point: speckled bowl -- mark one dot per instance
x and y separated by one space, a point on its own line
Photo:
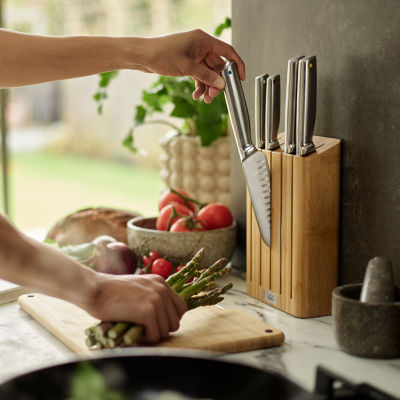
365 329
180 247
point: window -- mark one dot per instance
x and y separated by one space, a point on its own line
62 155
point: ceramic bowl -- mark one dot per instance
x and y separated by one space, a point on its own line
180 247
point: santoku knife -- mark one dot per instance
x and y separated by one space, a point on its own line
306 105
290 105
273 110
254 162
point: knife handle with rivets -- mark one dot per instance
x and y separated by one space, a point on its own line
290 105
306 105
260 104
273 110
238 111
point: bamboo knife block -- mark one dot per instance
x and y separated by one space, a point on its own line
300 269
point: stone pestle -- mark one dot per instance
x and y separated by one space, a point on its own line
378 286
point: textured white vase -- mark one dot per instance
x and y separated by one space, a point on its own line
202 171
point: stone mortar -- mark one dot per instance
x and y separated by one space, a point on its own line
365 329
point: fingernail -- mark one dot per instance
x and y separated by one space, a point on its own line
219 83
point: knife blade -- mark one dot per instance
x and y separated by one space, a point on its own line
254 162
259 104
306 105
290 105
273 110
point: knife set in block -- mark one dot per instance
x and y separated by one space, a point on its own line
292 200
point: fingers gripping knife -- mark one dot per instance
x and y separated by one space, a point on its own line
254 162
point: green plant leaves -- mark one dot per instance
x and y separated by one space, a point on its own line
221 27
106 78
128 142
209 131
183 108
140 115
155 98
89 384
210 120
101 94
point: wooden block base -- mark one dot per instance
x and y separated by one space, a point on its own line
300 269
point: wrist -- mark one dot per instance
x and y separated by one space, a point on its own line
135 53
70 280
92 292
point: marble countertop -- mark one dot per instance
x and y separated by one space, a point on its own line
26 346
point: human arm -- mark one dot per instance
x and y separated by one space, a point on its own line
28 59
146 300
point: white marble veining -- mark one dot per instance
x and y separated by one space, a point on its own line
25 346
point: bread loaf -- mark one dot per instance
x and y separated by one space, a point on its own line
84 225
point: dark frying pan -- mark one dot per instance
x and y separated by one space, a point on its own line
142 373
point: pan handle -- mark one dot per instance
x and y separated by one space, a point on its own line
332 386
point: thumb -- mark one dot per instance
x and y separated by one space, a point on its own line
207 76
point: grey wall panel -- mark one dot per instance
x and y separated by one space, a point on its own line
357 44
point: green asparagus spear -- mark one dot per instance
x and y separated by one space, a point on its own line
118 329
178 275
198 286
133 334
102 328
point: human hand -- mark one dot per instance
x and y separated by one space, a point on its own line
144 299
196 54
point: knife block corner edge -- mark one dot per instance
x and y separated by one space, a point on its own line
300 269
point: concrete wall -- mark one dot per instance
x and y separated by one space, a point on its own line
357 44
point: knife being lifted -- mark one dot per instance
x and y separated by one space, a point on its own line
306 105
254 162
290 106
273 110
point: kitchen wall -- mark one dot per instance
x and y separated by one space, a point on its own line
357 44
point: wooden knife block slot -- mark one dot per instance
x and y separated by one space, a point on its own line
300 269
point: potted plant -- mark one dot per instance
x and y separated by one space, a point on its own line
196 153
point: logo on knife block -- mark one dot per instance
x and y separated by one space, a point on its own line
271 297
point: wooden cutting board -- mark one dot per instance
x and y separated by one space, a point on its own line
210 328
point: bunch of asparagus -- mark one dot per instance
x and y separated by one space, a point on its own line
193 283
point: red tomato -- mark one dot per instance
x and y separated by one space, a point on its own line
187 224
161 267
153 256
215 215
167 197
166 219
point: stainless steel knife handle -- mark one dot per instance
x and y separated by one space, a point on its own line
238 111
273 111
290 105
306 105
260 104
